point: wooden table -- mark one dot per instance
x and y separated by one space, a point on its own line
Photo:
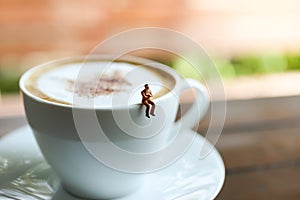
260 145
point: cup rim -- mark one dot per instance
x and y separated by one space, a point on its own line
102 57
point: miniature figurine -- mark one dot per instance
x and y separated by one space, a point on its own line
147 94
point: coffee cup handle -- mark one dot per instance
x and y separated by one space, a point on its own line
198 109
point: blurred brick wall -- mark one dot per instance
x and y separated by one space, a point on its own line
38 29
33 31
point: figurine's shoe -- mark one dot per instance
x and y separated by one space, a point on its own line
152 114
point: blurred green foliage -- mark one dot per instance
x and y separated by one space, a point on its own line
228 68
186 69
9 80
244 65
263 64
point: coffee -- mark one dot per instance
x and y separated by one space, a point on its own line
105 83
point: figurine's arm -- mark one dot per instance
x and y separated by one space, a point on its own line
144 94
150 93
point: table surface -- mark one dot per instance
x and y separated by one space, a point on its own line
259 145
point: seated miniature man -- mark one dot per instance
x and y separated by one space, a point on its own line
147 94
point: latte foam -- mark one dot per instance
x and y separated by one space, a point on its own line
97 83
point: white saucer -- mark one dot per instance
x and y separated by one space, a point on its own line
24 174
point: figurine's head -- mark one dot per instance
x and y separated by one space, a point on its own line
146 86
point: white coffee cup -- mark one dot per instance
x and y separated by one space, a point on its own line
102 153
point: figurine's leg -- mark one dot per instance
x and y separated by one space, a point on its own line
147 110
152 108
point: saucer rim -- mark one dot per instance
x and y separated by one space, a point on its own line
214 153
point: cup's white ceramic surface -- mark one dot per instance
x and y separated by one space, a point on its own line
66 148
